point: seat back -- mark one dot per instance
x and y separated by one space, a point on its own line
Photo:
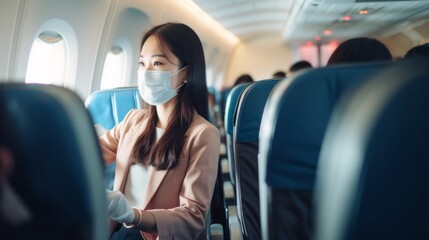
223 97
108 107
230 108
373 180
246 139
57 163
292 132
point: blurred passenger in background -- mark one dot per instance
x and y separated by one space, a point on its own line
361 49
279 74
243 79
299 66
420 51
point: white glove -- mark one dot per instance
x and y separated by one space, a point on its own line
119 208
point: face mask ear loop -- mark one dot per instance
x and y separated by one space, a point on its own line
178 88
179 70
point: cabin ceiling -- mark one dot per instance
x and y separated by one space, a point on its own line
299 21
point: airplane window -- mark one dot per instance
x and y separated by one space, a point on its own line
48 58
114 69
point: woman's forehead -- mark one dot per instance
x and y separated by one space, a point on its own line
153 48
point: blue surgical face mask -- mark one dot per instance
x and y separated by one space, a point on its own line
155 86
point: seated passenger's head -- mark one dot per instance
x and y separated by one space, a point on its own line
420 51
360 50
244 78
279 74
299 66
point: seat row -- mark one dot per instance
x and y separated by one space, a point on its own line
331 153
274 153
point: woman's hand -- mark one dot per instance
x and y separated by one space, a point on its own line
119 208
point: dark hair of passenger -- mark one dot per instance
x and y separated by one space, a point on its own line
185 44
420 51
300 65
243 79
361 49
279 74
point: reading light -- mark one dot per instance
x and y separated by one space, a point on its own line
327 32
363 11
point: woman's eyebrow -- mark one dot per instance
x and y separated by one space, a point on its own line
155 55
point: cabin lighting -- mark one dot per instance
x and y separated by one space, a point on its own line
363 12
309 43
327 32
346 18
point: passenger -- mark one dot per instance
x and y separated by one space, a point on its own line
243 79
166 154
360 50
279 74
299 66
420 51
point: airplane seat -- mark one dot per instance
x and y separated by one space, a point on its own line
223 97
247 121
58 166
372 180
107 108
292 131
230 108
229 184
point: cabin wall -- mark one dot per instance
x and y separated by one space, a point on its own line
128 38
10 17
259 58
100 25
39 15
399 43
93 27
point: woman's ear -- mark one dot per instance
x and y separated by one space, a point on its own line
184 74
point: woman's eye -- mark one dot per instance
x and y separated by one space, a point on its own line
157 63
141 64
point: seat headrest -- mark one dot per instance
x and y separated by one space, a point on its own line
297 117
250 108
231 106
109 107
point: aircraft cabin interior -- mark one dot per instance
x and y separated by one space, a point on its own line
315 124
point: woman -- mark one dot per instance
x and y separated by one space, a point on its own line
167 154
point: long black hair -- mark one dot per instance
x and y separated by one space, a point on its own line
361 49
184 43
